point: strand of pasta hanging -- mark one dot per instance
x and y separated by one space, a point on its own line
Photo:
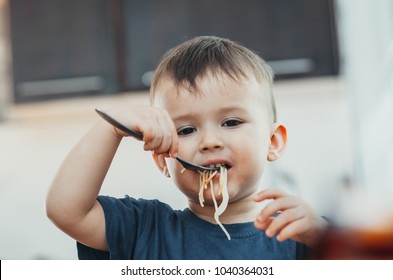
205 180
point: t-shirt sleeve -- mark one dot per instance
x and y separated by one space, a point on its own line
125 220
87 253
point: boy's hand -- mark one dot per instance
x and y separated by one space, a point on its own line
297 219
159 131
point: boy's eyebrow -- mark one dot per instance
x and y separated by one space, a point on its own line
222 110
231 109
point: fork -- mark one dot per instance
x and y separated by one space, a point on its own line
139 136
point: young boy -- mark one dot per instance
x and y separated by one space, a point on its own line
211 104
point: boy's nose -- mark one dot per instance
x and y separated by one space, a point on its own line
211 140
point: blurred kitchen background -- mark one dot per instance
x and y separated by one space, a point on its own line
60 59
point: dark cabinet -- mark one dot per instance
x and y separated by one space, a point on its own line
68 47
297 37
62 48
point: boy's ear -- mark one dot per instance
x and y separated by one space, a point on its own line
278 142
161 164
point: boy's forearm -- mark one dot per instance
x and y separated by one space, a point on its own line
75 187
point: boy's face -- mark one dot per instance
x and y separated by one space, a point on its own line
225 122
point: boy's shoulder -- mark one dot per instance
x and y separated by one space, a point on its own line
134 206
128 201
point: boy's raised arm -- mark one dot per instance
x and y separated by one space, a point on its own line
71 202
72 198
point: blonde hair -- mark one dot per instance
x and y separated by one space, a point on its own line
194 58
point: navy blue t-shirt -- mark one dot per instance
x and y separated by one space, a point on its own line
149 229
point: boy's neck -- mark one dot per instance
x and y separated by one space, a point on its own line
241 211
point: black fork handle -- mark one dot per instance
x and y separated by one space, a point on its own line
115 123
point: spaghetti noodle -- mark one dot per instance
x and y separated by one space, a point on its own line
205 180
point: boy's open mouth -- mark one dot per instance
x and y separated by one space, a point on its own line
227 166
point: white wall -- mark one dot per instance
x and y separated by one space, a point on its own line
366 43
366 36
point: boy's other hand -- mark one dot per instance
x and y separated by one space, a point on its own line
296 220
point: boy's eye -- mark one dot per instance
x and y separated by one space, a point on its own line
186 131
232 122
